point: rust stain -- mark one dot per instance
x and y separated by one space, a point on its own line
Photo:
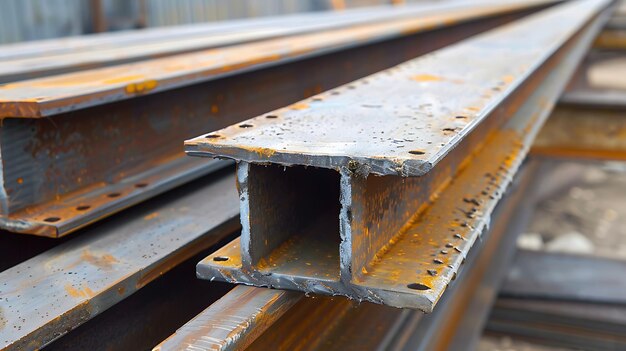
123 79
152 215
141 87
508 79
105 261
73 291
85 291
426 78
299 106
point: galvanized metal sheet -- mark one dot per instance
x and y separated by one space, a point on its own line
56 291
402 121
53 95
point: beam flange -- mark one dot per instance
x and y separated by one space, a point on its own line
400 180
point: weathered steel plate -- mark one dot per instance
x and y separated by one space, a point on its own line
401 121
148 44
56 291
67 171
53 95
416 185
233 322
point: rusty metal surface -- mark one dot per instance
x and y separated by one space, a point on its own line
57 94
543 275
321 132
340 247
67 169
56 291
583 132
323 323
137 48
233 322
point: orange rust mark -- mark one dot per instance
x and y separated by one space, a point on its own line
426 78
141 87
215 109
125 79
121 290
105 261
508 79
299 106
85 291
20 180
261 151
152 215
72 291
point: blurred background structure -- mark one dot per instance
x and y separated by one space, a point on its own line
23 20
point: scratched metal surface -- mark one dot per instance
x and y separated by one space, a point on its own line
326 323
462 201
57 94
232 322
54 292
153 47
402 121
92 176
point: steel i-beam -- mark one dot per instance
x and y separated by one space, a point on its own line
377 190
78 147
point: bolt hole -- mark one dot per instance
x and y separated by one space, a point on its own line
83 208
271 116
212 136
141 185
461 117
114 194
417 152
245 125
220 258
52 219
418 286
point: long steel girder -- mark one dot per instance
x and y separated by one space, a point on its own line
45 297
27 61
82 164
399 179
260 319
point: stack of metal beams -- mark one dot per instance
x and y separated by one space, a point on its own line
379 156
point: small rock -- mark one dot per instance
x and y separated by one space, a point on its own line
572 242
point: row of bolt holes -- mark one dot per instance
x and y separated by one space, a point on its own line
245 125
86 207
